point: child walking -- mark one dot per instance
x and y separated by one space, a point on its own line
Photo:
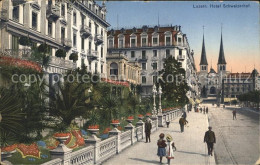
169 148
161 143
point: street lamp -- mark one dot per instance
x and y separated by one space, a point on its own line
160 100
154 104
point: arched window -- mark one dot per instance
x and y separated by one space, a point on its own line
113 69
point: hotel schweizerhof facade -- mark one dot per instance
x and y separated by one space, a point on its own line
81 27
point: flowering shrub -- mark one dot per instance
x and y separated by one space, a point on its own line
29 150
130 118
10 61
140 115
119 128
93 127
61 134
79 139
123 83
115 121
106 130
9 148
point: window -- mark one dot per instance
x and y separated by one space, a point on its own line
89 45
132 42
143 41
224 68
82 20
155 53
96 29
16 13
89 25
143 54
101 52
95 67
121 42
49 28
101 32
180 52
155 40
101 68
154 66
89 6
82 44
143 66
74 40
132 54
154 79
82 62
110 43
63 10
167 53
15 43
34 20
179 39
74 18
62 34
113 69
168 41
143 80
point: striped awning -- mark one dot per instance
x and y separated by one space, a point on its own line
229 99
192 102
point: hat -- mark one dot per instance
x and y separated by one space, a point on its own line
169 137
210 127
161 135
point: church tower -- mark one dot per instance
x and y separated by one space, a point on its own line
221 59
203 59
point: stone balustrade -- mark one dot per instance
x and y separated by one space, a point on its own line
97 151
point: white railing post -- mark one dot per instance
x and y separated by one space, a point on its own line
117 133
140 123
61 152
155 119
130 127
94 141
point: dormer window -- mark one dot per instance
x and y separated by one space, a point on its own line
155 40
120 41
110 43
144 41
167 40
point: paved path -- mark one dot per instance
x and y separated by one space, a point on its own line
237 140
190 146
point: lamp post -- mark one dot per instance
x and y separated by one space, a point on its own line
154 104
160 100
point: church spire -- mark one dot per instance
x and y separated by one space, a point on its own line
221 57
203 58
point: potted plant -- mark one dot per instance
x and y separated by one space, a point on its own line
60 53
140 117
130 119
25 41
93 129
43 48
148 114
115 123
61 137
73 57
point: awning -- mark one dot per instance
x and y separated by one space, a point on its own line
192 102
229 99
198 101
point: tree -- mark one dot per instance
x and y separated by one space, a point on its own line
60 53
172 81
74 57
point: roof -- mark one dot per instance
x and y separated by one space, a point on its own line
212 70
221 57
203 58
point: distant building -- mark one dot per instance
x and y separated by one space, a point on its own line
119 68
150 46
235 84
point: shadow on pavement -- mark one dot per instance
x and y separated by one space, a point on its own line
146 161
191 153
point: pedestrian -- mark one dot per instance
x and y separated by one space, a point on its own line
167 123
204 110
234 114
200 109
184 115
148 127
169 148
182 122
210 139
207 110
161 143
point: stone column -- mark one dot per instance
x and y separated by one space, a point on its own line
62 152
117 133
130 127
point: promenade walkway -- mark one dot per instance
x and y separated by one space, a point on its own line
190 146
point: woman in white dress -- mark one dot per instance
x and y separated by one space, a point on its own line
169 148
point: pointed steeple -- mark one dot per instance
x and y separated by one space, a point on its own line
203 58
221 57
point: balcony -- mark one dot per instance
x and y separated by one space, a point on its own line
99 39
143 59
85 31
53 12
18 53
60 62
92 55
181 57
66 42
3 15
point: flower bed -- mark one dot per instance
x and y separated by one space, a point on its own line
140 115
148 114
93 127
106 131
10 61
130 118
61 134
29 150
123 83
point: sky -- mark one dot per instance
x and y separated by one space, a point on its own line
240 27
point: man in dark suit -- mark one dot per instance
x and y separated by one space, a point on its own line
148 127
210 139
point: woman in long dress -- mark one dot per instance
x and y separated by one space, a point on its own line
169 148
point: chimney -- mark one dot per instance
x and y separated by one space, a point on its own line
179 28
